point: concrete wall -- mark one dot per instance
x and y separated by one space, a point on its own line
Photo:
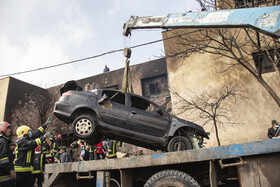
252 113
4 85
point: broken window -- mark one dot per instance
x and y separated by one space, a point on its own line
143 104
154 87
262 61
114 96
251 3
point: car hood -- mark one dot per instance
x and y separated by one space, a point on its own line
181 122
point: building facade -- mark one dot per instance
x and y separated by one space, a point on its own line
200 72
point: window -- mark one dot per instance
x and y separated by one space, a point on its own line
250 3
114 96
143 104
262 61
154 87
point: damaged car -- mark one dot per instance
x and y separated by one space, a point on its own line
125 117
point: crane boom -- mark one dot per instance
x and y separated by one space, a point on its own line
263 19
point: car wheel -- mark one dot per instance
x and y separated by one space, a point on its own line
179 143
84 126
171 178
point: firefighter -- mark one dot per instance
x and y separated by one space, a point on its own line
84 155
91 152
56 144
39 164
45 148
74 151
112 149
99 151
26 143
7 172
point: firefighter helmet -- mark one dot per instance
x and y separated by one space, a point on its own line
3 126
22 130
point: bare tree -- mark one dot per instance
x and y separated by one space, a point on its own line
236 44
33 109
210 108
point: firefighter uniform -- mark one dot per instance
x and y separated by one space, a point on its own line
56 145
39 164
112 150
6 166
26 145
91 152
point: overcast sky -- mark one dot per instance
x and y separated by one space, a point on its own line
40 33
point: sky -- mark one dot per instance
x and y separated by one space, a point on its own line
40 33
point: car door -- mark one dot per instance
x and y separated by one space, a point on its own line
144 118
113 110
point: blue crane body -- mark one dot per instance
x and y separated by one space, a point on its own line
263 19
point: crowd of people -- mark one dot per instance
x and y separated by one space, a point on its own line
22 163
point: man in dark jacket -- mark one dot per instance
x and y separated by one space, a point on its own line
84 156
7 172
26 143
65 156
39 165
273 131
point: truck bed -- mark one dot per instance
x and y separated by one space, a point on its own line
52 171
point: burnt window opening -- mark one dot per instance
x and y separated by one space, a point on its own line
262 61
251 3
154 87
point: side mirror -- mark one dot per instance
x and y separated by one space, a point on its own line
104 98
159 111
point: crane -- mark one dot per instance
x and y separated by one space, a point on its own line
263 19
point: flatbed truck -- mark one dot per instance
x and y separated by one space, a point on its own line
253 164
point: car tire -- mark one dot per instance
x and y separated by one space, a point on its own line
84 127
171 178
179 143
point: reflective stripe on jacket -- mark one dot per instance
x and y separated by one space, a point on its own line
6 165
5 178
39 163
25 151
112 149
